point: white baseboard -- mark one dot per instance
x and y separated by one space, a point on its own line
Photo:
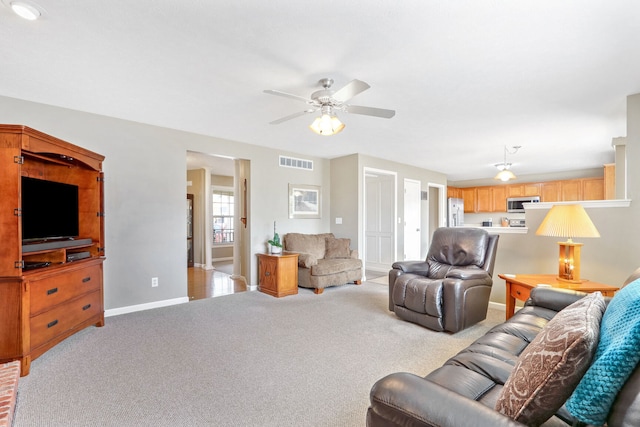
146 306
498 306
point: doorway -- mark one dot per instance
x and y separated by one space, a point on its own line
218 221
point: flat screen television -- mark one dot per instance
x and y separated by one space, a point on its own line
49 210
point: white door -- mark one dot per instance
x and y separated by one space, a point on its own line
412 220
379 221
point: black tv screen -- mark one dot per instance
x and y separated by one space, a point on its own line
49 209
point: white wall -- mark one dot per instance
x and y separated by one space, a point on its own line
145 171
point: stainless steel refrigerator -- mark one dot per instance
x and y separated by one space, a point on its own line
455 212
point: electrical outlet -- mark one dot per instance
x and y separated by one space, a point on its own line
154 282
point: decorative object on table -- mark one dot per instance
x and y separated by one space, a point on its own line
275 246
568 221
304 201
505 174
328 102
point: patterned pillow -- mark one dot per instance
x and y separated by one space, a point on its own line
551 366
337 248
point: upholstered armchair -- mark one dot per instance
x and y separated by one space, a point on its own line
449 291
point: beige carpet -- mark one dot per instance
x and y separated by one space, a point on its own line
384 280
245 359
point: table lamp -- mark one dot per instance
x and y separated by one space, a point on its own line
568 221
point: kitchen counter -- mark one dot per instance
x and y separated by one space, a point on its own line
501 230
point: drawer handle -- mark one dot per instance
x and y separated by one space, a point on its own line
518 292
86 307
52 291
86 279
267 273
52 324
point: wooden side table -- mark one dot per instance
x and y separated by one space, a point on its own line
278 274
519 287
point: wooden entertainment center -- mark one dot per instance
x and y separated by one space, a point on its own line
53 288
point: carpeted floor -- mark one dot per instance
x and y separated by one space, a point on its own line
245 359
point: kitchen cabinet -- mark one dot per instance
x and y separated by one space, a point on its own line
491 199
523 190
550 191
571 190
454 192
469 197
593 189
499 198
609 181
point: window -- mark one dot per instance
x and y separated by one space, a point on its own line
222 216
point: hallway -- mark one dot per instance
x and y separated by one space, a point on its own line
213 283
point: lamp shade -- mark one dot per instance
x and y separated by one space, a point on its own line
567 221
505 175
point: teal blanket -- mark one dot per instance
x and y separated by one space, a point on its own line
616 357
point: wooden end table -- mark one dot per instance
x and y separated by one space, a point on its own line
278 274
519 287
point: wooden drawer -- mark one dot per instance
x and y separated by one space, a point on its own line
520 292
48 325
49 292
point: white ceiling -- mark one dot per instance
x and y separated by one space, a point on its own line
466 77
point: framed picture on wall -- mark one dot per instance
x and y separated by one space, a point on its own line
304 201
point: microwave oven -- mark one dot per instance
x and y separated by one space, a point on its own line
516 204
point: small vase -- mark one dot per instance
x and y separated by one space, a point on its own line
275 250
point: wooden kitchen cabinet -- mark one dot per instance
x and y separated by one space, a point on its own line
454 192
469 196
550 191
491 199
523 190
609 181
593 189
571 190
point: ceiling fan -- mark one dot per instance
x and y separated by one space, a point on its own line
328 101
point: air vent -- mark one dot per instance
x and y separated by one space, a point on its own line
292 162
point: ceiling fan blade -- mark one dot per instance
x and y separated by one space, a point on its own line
370 111
291 116
287 95
351 89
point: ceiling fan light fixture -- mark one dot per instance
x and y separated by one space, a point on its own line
327 124
26 10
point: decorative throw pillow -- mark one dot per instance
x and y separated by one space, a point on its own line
337 248
616 357
551 366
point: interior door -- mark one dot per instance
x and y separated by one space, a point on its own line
412 220
379 221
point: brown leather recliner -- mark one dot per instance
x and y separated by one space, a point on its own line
450 290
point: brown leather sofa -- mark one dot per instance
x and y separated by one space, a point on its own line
464 391
450 290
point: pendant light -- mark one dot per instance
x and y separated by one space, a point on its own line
505 174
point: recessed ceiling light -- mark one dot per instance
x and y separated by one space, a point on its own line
25 9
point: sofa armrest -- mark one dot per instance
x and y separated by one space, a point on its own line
415 267
402 399
355 254
306 260
553 298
